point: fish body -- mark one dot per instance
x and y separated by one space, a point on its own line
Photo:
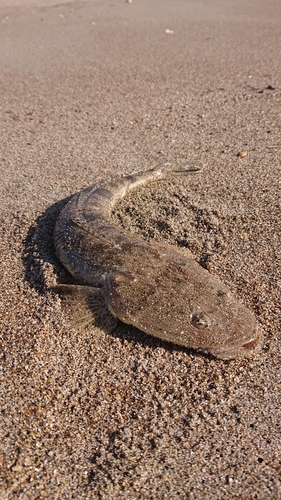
156 287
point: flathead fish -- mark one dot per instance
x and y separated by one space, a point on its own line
156 287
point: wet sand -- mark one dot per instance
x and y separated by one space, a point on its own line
90 89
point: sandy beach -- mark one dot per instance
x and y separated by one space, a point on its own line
90 89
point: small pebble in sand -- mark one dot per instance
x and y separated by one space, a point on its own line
242 154
129 1
17 468
170 32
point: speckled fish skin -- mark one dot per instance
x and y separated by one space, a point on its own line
156 287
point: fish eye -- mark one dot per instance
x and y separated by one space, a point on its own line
199 320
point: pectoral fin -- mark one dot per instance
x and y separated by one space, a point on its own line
86 305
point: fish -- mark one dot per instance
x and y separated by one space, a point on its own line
156 287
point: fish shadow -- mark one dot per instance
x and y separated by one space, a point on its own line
39 250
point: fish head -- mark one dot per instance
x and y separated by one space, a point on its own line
229 329
186 306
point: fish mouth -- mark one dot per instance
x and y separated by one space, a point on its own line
245 350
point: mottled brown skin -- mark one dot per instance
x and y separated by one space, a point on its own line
156 287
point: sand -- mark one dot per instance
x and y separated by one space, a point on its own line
90 89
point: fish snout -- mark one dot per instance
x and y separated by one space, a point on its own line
244 350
